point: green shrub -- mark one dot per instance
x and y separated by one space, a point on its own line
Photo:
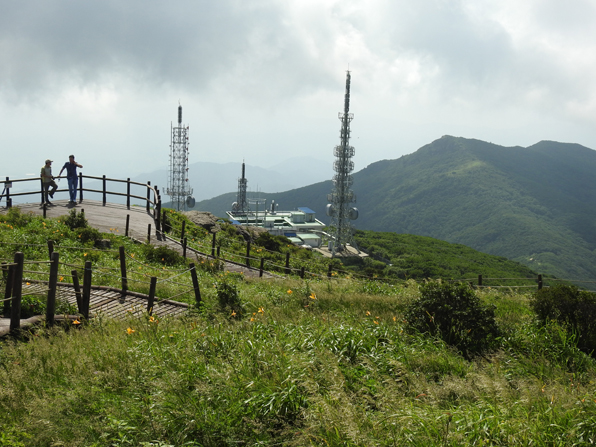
88 234
17 219
571 307
36 305
162 255
272 243
454 313
229 298
75 220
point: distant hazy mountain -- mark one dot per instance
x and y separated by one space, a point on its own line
534 205
213 179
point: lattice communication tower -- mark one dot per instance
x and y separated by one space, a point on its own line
341 198
179 189
241 204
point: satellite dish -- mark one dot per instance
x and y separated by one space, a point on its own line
190 202
330 210
235 206
353 214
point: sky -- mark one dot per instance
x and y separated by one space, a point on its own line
263 81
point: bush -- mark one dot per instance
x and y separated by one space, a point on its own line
229 298
162 255
455 314
75 220
573 308
36 305
88 234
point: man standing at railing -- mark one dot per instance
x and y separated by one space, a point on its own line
47 181
71 175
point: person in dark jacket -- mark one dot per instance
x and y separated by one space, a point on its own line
71 175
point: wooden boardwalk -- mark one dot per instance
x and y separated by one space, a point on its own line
105 301
108 218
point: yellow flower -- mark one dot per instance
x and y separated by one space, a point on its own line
289 291
233 313
367 313
76 322
129 331
84 254
132 255
261 310
252 319
313 296
61 278
153 320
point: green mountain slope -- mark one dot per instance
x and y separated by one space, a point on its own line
534 205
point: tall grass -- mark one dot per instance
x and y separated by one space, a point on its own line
307 363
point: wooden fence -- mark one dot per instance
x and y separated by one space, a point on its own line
13 293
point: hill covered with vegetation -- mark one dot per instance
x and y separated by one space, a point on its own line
287 361
534 205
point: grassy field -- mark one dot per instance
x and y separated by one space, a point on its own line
289 362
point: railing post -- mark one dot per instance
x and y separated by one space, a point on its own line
123 270
183 229
8 290
302 272
127 225
77 288
148 233
261 268
287 263
80 187
45 207
539 282
158 214
51 302
195 283
104 190
43 195
17 289
128 193
8 199
329 271
148 195
184 242
151 300
213 246
163 222
218 249
479 280
50 248
248 254
86 290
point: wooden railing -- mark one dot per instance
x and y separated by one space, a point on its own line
152 198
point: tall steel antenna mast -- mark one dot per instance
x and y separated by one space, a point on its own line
342 196
179 189
241 205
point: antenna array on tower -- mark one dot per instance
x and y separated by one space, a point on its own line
178 188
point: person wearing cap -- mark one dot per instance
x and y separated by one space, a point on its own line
71 175
47 182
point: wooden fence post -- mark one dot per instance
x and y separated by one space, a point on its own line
213 246
184 242
8 290
248 254
128 193
329 271
8 199
151 300
80 187
50 248
539 282
287 263
261 268
127 225
51 301
148 196
86 290
148 233
44 207
183 229
77 289
218 249
123 270
104 190
302 272
17 289
479 280
195 283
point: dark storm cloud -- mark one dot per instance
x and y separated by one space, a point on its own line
47 44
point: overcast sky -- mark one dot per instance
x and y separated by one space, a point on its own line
263 81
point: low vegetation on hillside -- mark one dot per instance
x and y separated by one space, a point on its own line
286 361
